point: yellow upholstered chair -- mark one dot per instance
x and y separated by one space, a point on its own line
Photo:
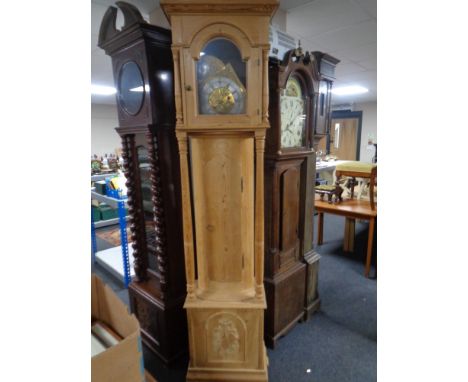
355 170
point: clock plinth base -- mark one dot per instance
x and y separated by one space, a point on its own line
312 299
311 309
200 374
226 340
163 325
285 300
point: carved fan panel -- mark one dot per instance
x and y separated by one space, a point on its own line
225 334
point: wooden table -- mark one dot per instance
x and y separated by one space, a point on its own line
350 209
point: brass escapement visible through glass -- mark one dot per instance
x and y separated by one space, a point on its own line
221 100
221 79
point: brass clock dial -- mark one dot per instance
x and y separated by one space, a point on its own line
293 117
220 90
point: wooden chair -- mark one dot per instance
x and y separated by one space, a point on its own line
358 170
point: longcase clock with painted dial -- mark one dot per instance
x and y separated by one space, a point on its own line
291 265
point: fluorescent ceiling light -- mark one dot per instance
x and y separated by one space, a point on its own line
102 90
348 90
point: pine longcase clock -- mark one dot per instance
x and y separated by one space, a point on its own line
220 54
144 77
290 263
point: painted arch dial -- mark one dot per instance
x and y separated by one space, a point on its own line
293 115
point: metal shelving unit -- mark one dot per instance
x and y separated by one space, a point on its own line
108 258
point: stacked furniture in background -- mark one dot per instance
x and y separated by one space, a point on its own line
143 73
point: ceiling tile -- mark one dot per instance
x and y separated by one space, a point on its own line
369 64
343 69
346 29
355 35
357 53
324 16
364 76
369 5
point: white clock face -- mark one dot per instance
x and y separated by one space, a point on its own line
293 118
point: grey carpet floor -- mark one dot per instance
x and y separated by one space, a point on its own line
338 343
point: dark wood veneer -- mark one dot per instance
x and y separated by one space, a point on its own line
158 291
291 264
326 68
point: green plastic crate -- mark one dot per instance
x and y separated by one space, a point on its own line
109 213
96 213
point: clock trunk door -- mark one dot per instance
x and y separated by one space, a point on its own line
223 184
289 213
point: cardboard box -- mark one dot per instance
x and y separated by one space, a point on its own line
122 362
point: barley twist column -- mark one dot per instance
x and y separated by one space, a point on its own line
158 211
129 155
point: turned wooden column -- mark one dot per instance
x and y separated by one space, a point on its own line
129 154
158 211
259 207
187 215
265 98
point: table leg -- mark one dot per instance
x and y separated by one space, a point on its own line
371 193
320 229
370 241
348 242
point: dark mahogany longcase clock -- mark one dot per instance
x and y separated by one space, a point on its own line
291 265
143 74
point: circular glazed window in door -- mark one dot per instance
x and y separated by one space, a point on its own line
131 88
